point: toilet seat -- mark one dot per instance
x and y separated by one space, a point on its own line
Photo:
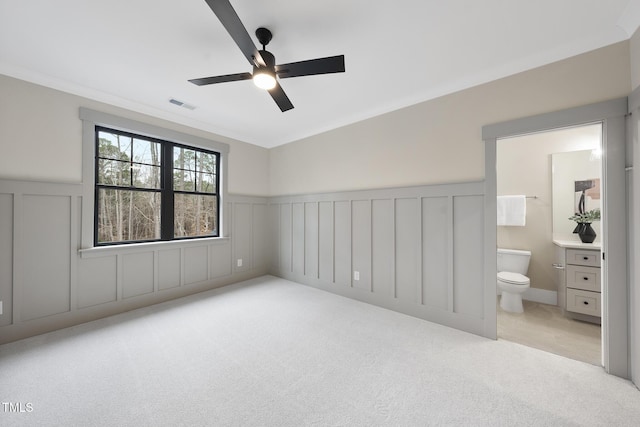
513 278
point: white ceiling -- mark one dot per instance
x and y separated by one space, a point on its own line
138 54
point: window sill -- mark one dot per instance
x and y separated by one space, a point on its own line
100 251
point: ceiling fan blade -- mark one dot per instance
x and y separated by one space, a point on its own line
221 79
328 65
281 98
230 20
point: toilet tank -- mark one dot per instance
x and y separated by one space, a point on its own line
513 260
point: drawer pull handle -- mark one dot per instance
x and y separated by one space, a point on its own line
585 258
585 303
585 278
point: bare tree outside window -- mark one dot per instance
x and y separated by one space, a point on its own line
194 182
130 173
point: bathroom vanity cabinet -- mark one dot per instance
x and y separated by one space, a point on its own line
577 267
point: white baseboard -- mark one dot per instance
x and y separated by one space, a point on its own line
540 295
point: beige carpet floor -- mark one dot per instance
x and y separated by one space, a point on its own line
269 352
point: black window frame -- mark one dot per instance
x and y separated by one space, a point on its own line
166 191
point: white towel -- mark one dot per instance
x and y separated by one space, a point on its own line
512 210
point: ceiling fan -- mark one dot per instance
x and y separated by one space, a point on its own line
265 69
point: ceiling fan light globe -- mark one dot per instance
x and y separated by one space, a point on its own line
264 80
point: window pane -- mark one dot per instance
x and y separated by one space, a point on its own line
145 176
147 152
206 162
183 158
114 172
125 215
114 146
183 180
195 215
206 183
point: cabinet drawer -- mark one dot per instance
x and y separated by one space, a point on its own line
580 277
584 302
583 257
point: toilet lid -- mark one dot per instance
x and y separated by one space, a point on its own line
514 278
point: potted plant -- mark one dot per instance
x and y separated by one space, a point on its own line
584 220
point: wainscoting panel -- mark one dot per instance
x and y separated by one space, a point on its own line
169 268
406 245
221 261
260 235
137 274
361 234
468 258
297 212
437 277
195 264
273 243
48 281
46 255
382 248
97 281
325 241
285 237
6 256
417 250
311 239
242 232
342 242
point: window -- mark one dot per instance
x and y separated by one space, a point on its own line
195 184
148 189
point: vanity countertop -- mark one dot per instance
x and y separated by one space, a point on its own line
576 244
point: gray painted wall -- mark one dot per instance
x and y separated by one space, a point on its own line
47 282
417 250
633 140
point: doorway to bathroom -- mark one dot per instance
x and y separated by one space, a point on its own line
615 222
542 181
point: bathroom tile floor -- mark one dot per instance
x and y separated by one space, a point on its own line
544 327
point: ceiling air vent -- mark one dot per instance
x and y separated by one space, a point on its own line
182 104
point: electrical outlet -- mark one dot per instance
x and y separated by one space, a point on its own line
356 275
239 263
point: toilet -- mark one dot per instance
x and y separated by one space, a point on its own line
512 282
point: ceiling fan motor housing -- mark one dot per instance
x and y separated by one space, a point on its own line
263 61
269 60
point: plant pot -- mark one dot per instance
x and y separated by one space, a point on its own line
586 233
